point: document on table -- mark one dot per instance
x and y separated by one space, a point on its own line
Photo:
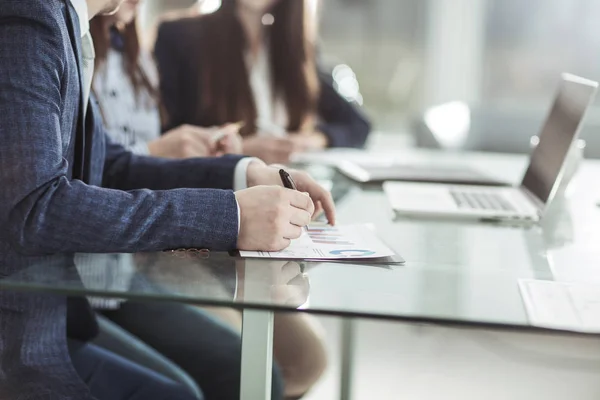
562 305
323 242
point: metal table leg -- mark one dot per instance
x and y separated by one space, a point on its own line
347 357
257 355
255 279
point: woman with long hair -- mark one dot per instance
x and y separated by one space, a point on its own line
126 88
254 61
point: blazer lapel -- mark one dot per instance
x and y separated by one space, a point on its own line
79 156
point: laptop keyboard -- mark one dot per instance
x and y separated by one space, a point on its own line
481 201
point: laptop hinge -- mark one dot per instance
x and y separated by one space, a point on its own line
537 202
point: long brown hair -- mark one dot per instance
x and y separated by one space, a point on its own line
224 84
100 28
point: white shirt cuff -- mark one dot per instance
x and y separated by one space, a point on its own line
239 215
240 180
240 176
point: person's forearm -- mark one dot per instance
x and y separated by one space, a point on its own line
70 216
126 171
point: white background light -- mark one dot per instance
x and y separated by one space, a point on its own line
449 123
209 6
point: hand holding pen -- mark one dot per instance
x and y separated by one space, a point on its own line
288 182
278 213
320 196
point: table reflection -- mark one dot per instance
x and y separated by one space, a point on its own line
190 274
278 282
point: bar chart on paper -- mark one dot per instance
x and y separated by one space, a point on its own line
321 242
328 235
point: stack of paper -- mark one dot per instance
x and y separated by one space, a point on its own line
324 242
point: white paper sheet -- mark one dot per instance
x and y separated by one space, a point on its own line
322 242
562 305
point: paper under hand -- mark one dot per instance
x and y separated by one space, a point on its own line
322 242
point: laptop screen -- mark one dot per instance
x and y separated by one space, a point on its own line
558 133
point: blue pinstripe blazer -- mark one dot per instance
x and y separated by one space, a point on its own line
65 188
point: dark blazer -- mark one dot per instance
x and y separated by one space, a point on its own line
65 188
343 123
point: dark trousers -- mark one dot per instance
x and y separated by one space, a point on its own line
111 377
208 350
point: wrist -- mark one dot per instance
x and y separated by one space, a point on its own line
253 174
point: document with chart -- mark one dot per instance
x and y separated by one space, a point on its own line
323 242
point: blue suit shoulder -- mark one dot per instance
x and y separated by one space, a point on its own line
45 17
43 11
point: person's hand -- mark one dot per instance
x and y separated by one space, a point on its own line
290 286
285 283
231 142
269 149
270 216
260 174
309 141
185 141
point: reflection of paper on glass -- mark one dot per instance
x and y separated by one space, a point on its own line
323 242
562 305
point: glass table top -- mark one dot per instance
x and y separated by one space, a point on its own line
459 272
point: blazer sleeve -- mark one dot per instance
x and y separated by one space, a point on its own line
171 74
124 170
344 124
43 212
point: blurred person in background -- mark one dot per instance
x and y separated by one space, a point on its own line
126 87
202 345
254 61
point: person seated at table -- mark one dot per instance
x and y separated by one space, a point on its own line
67 188
254 61
125 86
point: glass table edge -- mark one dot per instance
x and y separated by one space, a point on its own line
422 320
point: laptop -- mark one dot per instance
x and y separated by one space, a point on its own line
525 203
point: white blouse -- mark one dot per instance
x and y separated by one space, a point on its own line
130 120
272 118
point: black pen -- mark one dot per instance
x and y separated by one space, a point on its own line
289 183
